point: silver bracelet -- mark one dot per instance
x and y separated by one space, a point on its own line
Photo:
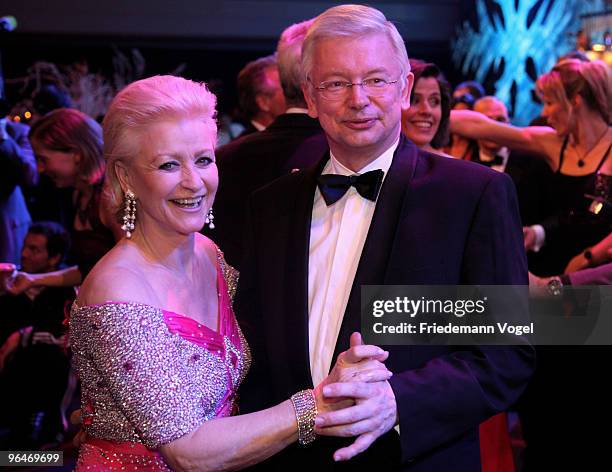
305 412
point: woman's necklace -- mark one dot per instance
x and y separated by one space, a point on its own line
581 160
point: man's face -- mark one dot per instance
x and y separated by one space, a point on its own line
497 111
273 100
358 125
34 256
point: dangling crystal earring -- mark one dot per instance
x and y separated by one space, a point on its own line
129 214
210 218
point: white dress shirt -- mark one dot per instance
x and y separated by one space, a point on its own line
504 152
337 235
257 125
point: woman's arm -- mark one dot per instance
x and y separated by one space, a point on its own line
237 442
115 336
599 254
234 442
539 140
68 277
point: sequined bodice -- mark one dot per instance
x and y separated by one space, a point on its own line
150 376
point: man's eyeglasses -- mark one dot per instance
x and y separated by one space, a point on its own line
337 89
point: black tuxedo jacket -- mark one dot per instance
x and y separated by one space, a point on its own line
292 141
437 221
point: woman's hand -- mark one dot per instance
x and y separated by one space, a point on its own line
20 283
356 399
360 363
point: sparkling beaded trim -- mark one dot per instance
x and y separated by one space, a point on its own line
305 411
142 383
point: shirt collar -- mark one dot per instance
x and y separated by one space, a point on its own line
504 152
382 162
258 126
295 110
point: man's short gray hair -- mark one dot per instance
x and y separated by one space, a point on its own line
349 21
289 60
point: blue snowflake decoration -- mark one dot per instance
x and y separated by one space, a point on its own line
523 36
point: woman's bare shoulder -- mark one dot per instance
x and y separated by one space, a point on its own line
206 248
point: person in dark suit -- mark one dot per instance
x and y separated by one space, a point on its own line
313 240
293 140
18 170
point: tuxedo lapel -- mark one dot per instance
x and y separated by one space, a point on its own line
372 268
295 289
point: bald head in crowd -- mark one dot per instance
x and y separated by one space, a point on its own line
495 109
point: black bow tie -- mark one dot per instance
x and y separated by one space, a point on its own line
496 161
334 186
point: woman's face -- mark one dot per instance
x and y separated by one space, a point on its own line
174 176
557 115
61 166
421 121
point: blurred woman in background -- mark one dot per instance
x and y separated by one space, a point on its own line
68 148
578 107
426 122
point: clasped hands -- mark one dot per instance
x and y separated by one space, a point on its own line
13 280
355 399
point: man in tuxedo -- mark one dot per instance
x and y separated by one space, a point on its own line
292 141
390 215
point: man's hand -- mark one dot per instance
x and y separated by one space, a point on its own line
360 363
374 413
375 410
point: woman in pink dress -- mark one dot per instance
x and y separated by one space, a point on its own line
156 344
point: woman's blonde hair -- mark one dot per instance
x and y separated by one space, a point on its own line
142 104
572 77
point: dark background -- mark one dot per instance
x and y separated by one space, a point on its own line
213 39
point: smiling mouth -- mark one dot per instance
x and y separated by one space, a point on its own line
188 202
426 125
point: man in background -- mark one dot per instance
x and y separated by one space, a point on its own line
259 93
292 141
34 365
